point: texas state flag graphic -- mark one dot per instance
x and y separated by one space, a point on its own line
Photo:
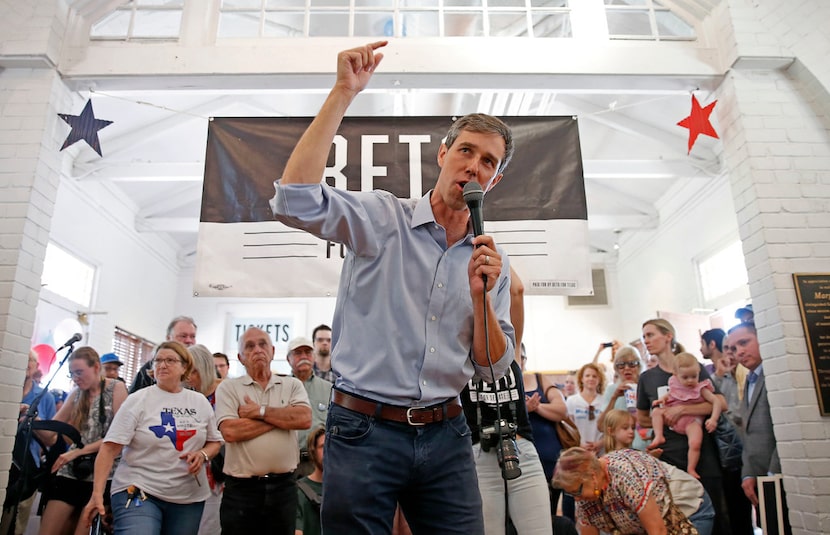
168 429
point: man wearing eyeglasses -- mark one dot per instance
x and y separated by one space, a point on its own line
181 329
259 415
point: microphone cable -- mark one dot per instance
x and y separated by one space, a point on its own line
500 439
473 197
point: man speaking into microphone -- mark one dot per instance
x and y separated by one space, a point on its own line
422 303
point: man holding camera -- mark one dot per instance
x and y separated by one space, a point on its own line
503 449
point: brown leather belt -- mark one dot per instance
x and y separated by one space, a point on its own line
262 478
408 415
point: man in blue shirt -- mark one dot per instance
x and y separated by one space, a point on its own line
409 324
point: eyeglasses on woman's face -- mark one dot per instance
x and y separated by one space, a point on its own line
166 361
77 373
575 494
627 364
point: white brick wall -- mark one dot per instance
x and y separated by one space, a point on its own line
30 136
775 144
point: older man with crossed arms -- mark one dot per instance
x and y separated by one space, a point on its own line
258 414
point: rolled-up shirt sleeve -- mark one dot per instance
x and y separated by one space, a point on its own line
333 214
500 295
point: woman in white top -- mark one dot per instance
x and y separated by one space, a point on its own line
585 407
167 434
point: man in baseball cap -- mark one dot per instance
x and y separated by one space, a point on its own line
301 358
112 366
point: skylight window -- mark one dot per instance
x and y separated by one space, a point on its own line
645 19
394 18
141 19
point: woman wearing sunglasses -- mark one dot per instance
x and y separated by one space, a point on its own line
623 394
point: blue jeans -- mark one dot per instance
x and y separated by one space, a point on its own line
704 517
155 516
375 464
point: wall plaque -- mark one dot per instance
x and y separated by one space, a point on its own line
813 292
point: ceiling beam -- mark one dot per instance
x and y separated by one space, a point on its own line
639 169
412 63
582 83
621 199
140 171
170 200
158 171
167 224
621 221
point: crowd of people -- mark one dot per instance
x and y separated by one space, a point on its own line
154 450
430 424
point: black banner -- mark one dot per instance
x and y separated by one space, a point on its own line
537 212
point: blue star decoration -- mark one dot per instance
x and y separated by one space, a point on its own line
84 127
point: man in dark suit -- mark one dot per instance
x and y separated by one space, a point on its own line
760 456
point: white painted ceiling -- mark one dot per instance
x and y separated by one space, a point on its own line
633 151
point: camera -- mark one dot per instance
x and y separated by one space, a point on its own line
83 466
608 344
507 454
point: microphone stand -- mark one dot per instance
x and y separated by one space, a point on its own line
26 427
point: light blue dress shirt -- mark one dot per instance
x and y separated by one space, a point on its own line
403 323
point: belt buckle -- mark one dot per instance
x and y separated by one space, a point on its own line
409 416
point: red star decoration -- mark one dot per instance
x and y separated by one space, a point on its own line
698 122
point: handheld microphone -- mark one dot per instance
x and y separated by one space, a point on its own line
74 340
473 196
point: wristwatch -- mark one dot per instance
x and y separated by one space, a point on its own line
262 411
